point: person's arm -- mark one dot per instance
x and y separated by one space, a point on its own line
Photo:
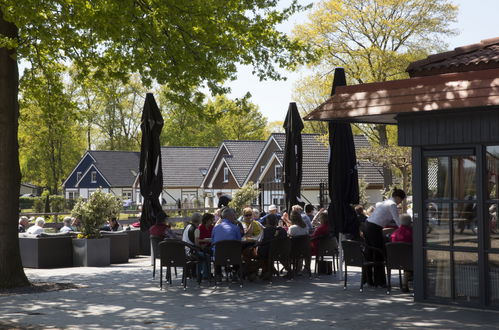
395 214
315 220
196 236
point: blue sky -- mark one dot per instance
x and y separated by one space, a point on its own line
477 20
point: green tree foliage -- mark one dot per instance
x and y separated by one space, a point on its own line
209 123
244 197
178 43
50 141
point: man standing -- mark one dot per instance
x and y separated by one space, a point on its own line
223 199
384 213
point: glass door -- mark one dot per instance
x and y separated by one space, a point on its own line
451 226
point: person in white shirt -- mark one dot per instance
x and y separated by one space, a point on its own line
383 214
67 225
38 227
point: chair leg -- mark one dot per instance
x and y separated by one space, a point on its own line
240 271
184 277
345 284
169 275
160 277
175 272
400 279
389 280
154 268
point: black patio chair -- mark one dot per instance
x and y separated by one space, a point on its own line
279 251
155 240
300 250
227 254
327 246
354 254
398 256
172 253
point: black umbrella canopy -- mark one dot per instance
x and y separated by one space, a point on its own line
293 156
150 171
343 175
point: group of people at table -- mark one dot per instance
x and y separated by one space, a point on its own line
256 230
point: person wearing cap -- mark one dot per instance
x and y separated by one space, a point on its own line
272 210
38 227
67 225
23 224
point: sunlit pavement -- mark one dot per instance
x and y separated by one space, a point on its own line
126 296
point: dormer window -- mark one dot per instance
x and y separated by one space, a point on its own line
93 177
78 176
278 173
226 175
262 168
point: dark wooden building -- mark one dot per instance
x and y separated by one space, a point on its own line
448 112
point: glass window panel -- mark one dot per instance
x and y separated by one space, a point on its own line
493 226
437 177
466 276
438 283
437 224
492 172
464 178
465 224
494 279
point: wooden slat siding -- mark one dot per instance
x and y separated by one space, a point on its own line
463 127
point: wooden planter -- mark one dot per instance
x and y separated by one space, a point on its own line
91 252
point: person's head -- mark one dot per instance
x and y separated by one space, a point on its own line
273 209
229 214
398 195
296 219
405 219
247 214
271 220
196 218
297 208
359 209
370 210
256 214
67 221
207 219
40 221
23 221
309 208
219 194
75 222
323 218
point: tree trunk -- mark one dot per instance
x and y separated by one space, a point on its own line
11 270
387 172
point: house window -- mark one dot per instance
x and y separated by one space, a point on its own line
278 173
262 168
127 194
78 176
226 174
93 176
73 195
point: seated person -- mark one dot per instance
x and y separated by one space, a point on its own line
190 228
23 224
316 221
252 229
306 220
226 230
202 234
272 210
404 234
298 226
319 232
75 224
38 227
162 229
67 225
112 225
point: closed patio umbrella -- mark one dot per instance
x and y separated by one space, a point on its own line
150 171
343 175
293 156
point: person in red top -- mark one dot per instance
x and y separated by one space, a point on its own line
321 231
404 234
161 229
203 231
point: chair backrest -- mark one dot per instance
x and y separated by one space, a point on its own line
172 253
280 248
155 240
399 256
300 247
327 246
352 253
228 252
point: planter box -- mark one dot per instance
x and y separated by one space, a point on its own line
91 252
46 252
133 242
119 246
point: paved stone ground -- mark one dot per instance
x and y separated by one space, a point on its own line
126 296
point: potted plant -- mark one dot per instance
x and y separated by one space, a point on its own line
89 248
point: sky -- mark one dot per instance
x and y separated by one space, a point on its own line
477 20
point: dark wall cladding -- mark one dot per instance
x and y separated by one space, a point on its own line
479 125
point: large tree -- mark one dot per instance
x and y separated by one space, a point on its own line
178 43
374 41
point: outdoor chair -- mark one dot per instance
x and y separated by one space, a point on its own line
279 251
327 246
228 253
155 240
398 256
300 250
354 254
172 253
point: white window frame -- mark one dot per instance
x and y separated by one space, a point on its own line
226 174
78 176
277 173
93 177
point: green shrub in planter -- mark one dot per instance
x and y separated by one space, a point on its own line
95 212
